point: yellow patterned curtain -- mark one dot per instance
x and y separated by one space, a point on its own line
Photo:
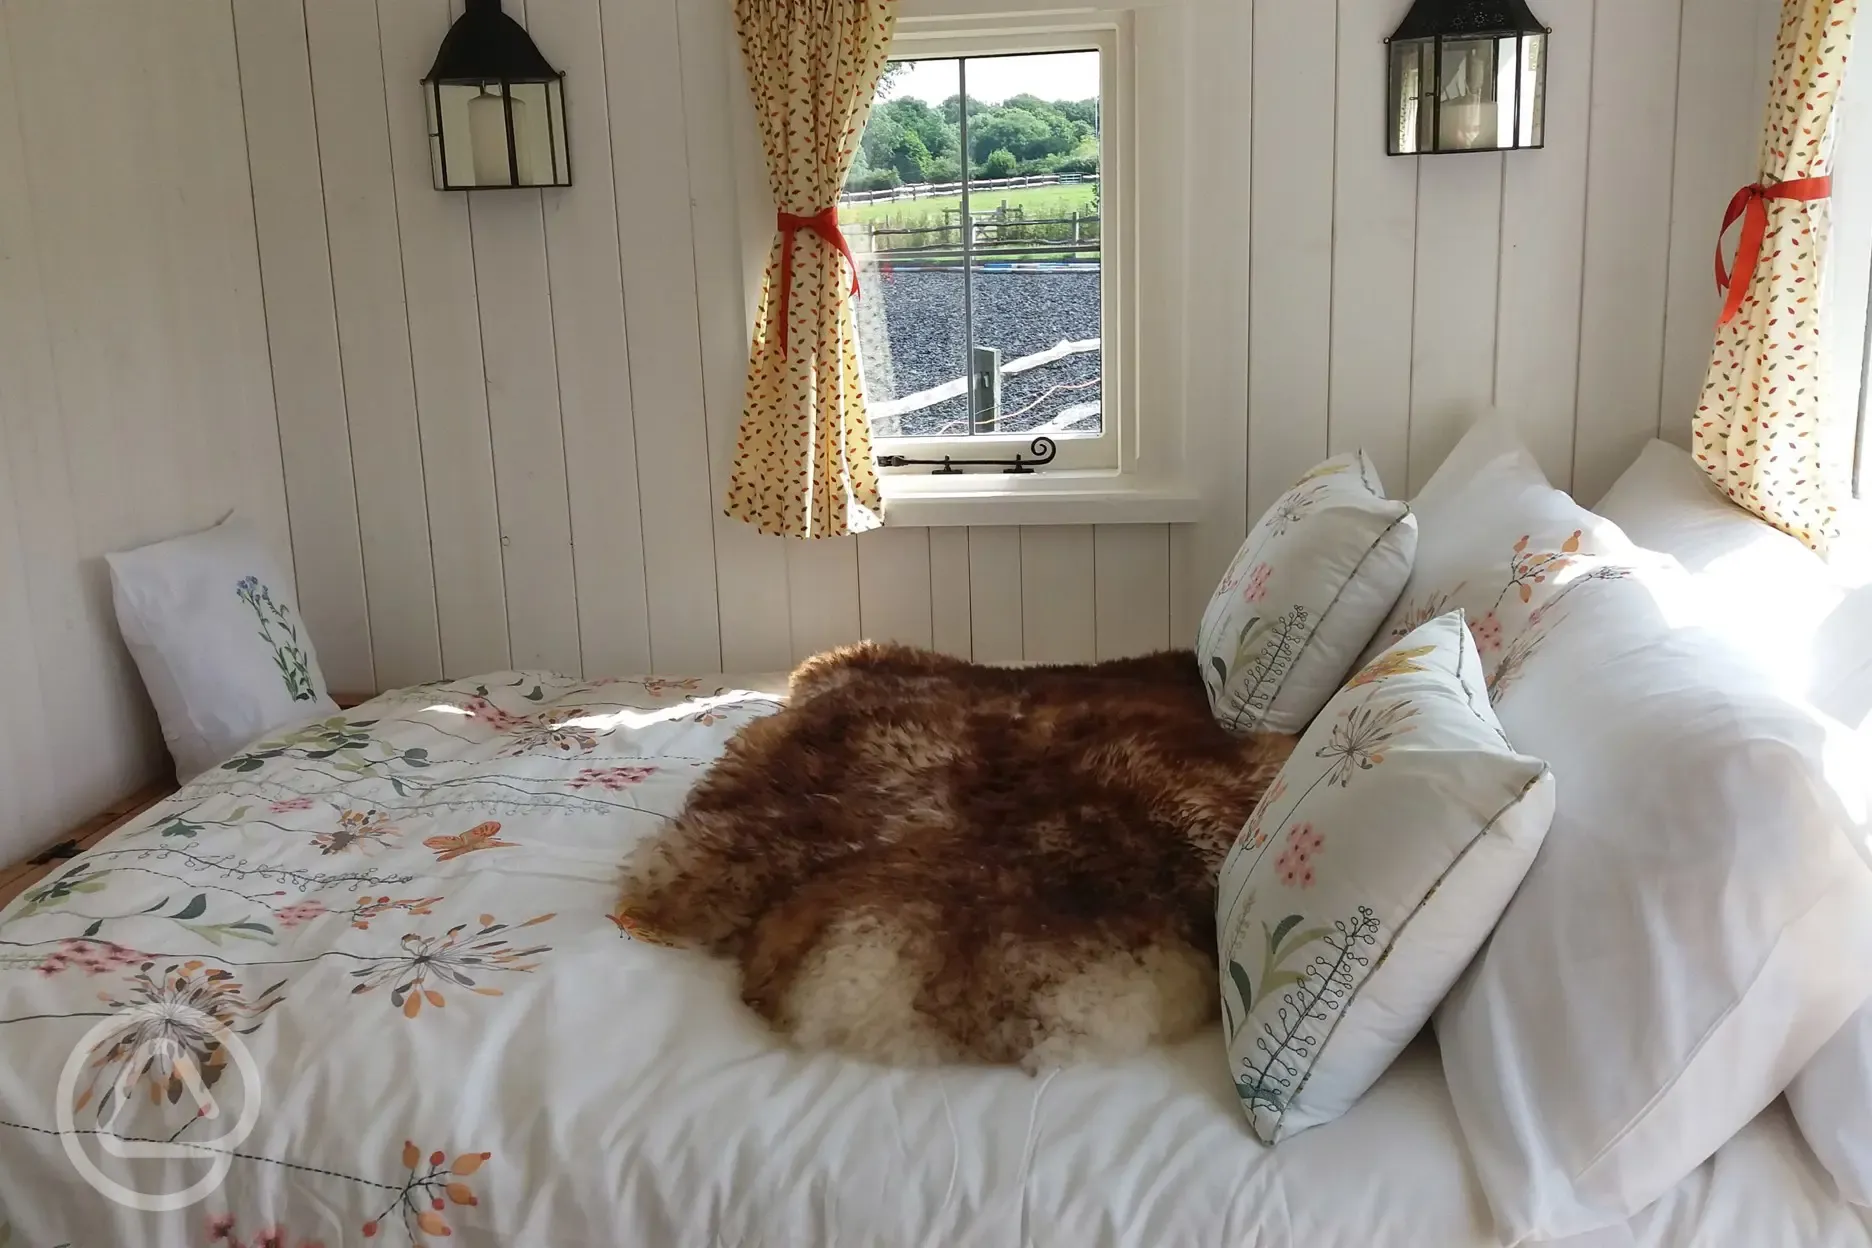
1762 431
803 465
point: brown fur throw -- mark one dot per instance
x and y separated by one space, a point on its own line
920 860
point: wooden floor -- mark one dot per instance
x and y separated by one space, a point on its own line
17 878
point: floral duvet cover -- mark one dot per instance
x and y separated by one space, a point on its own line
331 987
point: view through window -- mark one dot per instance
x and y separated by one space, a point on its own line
974 210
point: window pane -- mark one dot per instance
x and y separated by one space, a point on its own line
901 213
1016 346
1035 199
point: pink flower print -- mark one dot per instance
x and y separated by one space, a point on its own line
221 1228
657 686
291 803
483 711
1295 863
299 912
1487 632
93 957
613 779
1257 583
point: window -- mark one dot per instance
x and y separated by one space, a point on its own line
982 210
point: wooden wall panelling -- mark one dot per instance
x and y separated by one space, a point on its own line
228 427
1216 39
50 768
1058 598
1543 229
1131 589
1716 146
894 586
1374 224
531 478
101 438
302 333
1459 202
598 412
445 352
1628 240
951 625
28 793
995 593
373 336
822 580
643 79
1291 241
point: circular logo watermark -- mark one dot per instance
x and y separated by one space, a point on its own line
162 1037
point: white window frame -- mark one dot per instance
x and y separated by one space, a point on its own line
1142 256
1101 451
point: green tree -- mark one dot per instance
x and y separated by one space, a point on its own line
1086 112
882 134
925 122
910 158
1000 164
1020 132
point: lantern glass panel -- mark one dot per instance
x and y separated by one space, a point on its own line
456 106
435 135
470 141
1533 76
1413 70
1468 104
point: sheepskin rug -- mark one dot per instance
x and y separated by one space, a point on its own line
921 860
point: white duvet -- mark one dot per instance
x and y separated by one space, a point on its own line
405 918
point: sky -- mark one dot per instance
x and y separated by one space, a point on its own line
1051 76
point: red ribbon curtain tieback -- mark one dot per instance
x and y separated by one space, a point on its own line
825 225
1750 206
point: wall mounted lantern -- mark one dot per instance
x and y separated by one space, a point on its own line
496 108
1467 76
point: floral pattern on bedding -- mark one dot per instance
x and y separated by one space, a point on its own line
358 901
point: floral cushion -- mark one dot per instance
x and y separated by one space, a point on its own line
217 636
1368 877
1303 596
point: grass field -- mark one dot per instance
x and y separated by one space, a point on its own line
1039 202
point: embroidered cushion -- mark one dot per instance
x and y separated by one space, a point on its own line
1301 599
1368 876
217 636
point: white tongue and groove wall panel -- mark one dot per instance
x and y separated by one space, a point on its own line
496 432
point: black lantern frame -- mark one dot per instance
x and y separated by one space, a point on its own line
497 117
1466 76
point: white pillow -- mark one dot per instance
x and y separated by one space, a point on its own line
1368 877
1302 597
1699 920
1499 528
1832 1102
217 636
1779 600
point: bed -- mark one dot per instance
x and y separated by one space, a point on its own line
404 915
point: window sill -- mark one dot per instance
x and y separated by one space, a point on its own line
926 501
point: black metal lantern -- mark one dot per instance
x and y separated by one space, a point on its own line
496 108
1467 76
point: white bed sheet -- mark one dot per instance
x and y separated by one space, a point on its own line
623 1094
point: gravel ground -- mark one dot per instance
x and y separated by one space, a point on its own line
1021 312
